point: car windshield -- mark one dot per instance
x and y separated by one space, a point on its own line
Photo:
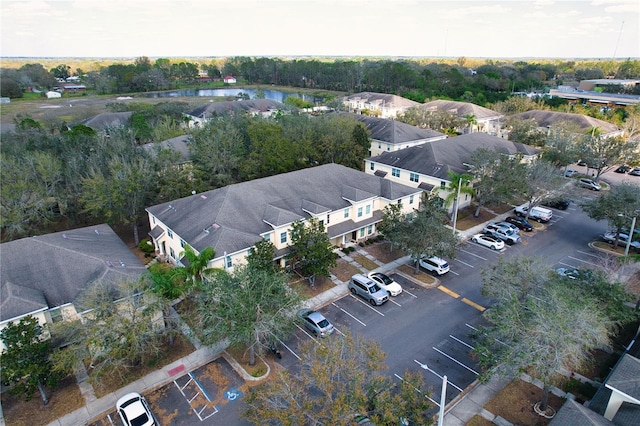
324 323
385 279
374 288
141 420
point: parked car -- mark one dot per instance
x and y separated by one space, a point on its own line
539 214
435 264
508 225
635 172
367 289
134 410
386 283
610 237
569 273
622 169
520 222
507 235
581 163
589 184
488 241
315 322
557 203
570 173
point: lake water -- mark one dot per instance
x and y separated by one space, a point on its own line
274 95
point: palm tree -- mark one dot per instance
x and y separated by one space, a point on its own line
459 184
471 121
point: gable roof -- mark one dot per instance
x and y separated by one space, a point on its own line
571 413
462 109
549 118
384 99
228 107
179 144
108 119
451 154
235 217
393 131
54 269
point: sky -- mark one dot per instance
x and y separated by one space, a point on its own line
602 29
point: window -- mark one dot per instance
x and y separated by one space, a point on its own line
328 216
267 237
372 166
228 262
283 237
395 172
367 209
388 147
370 230
170 232
182 243
400 202
410 199
379 145
172 253
361 232
56 315
359 211
443 184
346 213
414 177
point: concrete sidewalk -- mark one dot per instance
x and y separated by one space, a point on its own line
470 403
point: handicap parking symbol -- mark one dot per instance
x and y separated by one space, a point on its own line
233 394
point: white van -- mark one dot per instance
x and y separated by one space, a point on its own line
539 214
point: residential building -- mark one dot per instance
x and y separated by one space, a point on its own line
262 107
107 120
232 219
44 276
547 119
389 135
229 79
574 95
377 104
474 117
426 166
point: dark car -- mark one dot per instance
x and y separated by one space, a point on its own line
557 203
520 222
622 169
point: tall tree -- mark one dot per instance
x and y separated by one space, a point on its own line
424 234
248 306
539 180
336 384
602 153
311 251
538 324
26 363
458 184
391 225
120 195
617 206
262 256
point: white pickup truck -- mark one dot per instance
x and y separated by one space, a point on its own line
539 214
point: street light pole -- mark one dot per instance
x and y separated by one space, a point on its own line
455 213
443 399
633 225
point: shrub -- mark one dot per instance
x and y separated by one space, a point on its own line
146 246
361 244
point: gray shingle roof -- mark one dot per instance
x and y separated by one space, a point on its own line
53 269
227 107
394 132
108 119
549 118
179 144
626 376
572 414
461 109
438 157
235 216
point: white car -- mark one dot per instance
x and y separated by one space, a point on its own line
570 173
134 410
435 264
386 283
488 241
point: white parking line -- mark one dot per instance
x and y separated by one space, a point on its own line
290 350
409 293
471 327
367 304
473 254
456 361
333 303
460 341
588 254
566 264
394 302
453 272
419 391
426 367
464 263
583 261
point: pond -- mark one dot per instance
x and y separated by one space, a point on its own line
274 95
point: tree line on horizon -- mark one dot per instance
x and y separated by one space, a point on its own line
464 79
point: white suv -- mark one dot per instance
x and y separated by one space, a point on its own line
435 264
